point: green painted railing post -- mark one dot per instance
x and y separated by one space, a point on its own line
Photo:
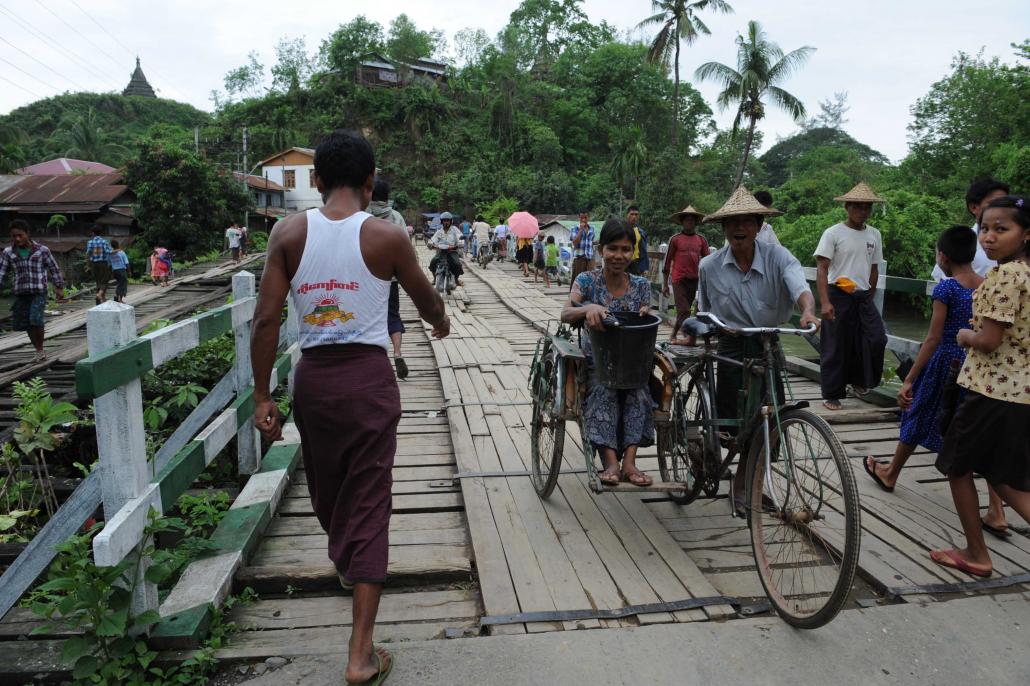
248 444
121 443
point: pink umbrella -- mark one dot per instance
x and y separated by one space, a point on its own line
523 225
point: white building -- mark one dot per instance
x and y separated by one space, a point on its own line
294 170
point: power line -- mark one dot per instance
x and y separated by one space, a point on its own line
103 28
127 49
81 35
74 57
36 59
36 78
32 93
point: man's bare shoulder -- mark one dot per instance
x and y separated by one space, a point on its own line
289 231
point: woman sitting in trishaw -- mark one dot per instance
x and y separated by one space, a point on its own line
618 420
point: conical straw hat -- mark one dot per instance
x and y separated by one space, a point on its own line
688 210
742 203
860 193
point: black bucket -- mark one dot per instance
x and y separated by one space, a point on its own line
624 351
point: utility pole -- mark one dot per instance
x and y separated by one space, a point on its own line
246 213
196 140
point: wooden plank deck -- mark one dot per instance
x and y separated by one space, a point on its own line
899 528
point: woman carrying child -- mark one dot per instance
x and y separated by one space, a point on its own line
990 433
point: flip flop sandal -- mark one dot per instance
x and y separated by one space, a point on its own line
609 478
380 676
642 480
832 405
1001 532
952 560
871 471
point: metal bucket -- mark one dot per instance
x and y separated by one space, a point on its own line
624 351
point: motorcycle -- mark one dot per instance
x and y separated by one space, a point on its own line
444 280
486 254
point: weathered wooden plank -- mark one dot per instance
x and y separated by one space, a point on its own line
426 521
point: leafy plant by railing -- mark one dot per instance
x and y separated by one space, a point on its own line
96 602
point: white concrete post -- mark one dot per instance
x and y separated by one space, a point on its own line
880 287
292 336
663 301
121 443
248 443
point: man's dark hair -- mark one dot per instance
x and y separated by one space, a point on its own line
982 187
479 217
96 230
615 229
18 225
632 208
115 244
344 159
958 244
380 190
764 197
550 239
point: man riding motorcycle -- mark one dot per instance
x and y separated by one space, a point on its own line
447 241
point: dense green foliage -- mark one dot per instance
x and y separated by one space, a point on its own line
559 115
47 125
183 201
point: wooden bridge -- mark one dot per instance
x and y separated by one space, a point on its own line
472 548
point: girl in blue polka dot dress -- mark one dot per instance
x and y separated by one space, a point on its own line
920 394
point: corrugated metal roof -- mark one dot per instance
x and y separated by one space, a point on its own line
49 207
259 182
63 189
66 165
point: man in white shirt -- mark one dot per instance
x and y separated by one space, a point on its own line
980 193
232 240
480 236
446 240
853 335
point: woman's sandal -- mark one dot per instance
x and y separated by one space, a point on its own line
611 476
385 660
952 560
638 478
832 405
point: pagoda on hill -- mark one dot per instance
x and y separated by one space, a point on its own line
138 84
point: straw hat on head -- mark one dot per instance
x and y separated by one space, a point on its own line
860 193
740 204
688 210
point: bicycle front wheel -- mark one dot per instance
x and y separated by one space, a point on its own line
548 429
804 516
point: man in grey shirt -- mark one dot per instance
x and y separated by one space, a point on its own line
748 283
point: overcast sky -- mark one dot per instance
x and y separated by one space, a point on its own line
884 53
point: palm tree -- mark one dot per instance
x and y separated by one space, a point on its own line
85 139
12 148
679 24
761 67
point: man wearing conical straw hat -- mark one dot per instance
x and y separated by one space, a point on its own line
853 338
748 283
682 260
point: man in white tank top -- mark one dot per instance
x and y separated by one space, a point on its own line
337 262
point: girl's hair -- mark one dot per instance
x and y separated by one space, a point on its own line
550 239
1021 212
958 244
615 229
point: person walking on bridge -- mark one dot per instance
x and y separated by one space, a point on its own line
582 238
336 262
382 208
30 264
641 262
854 338
98 258
686 249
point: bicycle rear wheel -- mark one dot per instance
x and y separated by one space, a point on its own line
682 449
548 429
804 517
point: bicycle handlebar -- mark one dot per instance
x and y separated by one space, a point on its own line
711 318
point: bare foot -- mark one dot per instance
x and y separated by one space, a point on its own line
611 476
962 560
381 661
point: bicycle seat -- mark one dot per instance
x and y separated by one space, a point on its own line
697 328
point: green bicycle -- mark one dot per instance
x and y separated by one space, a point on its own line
800 497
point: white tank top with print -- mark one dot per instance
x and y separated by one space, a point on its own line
338 299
